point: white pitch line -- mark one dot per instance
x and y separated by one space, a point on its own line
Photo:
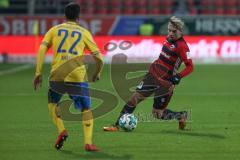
16 69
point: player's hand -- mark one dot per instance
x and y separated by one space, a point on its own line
175 79
37 82
95 77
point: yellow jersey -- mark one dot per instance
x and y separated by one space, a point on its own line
68 41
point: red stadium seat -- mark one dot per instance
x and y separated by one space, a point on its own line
101 7
193 11
238 9
166 7
129 10
231 7
115 3
141 10
219 7
219 3
102 10
79 1
231 3
219 11
190 2
207 7
91 3
154 10
166 11
102 3
128 3
206 3
141 7
154 3
88 10
85 2
231 11
141 3
191 7
166 3
115 10
205 11
160 6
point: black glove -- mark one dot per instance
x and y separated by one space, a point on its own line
175 79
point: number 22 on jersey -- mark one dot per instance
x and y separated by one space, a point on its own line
65 34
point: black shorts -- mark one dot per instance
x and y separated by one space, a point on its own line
162 90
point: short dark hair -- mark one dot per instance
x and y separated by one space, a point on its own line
72 11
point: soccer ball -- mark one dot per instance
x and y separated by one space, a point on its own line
128 122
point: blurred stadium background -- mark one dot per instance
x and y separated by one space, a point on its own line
212 26
211 92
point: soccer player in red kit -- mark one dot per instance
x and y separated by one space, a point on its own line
162 77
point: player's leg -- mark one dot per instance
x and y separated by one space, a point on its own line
160 110
53 99
144 90
82 103
129 108
131 105
87 121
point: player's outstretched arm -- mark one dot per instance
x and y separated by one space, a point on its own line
99 66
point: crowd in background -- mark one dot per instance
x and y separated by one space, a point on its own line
126 7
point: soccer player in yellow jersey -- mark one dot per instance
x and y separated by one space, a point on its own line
69 40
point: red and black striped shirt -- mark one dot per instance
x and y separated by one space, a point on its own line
170 59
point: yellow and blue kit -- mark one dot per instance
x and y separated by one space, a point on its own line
68 41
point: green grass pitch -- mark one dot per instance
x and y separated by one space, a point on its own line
211 93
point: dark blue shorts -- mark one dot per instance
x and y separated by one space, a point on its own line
78 92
